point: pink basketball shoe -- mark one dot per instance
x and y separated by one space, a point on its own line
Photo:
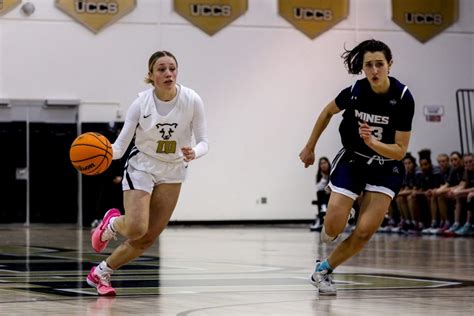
101 283
102 234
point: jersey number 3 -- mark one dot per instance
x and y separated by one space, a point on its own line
376 131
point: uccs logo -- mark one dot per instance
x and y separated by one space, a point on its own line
102 7
424 19
210 10
96 14
210 15
312 14
313 17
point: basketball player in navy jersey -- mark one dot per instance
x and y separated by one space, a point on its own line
375 132
162 119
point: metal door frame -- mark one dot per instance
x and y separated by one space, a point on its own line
45 111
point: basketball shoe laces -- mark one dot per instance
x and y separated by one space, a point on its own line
105 279
108 234
326 278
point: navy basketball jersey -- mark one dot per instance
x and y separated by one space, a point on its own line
384 113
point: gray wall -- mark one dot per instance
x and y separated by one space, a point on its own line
263 83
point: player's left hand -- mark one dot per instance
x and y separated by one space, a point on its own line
188 154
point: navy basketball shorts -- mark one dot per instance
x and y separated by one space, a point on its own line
351 174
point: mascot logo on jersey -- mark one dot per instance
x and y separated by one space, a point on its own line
166 129
166 146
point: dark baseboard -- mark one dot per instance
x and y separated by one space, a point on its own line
242 222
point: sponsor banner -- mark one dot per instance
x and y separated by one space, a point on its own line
313 17
96 14
210 15
7 5
424 19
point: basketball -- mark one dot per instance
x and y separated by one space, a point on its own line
91 153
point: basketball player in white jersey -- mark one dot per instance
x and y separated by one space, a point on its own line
162 119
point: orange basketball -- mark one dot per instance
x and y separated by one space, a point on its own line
91 153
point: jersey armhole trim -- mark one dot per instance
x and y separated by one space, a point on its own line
353 86
403 92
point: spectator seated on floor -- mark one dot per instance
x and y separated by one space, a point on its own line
461 194
401 200
422 197
444 194
444 165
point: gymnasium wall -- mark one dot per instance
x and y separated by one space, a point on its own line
263 83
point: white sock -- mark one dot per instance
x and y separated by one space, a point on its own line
110 231
103 268
325 237
111 224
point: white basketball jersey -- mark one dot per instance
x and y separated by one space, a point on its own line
162 137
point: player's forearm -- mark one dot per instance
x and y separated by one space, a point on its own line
392 151
201 149
320 125
123 140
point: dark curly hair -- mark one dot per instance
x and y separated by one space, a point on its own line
425 154
409 156
354 58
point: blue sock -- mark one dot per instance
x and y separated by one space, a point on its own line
325 266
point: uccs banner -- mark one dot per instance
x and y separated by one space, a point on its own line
313 17
7 5
210 15
424 19
96 14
